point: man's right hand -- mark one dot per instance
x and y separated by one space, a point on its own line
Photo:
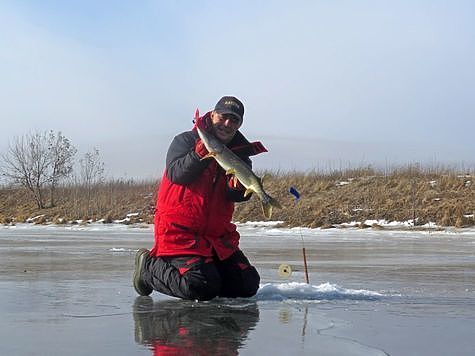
200 148
203 123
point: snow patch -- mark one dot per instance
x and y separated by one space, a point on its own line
261 223
30 220
121 249
303 291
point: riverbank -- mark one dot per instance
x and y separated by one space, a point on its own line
363 197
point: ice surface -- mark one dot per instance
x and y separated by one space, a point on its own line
67 290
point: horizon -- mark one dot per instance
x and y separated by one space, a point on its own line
323 83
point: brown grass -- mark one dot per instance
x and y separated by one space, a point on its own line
445 197
109 201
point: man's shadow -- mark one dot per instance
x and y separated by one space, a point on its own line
185 327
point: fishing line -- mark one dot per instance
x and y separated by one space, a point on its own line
296 194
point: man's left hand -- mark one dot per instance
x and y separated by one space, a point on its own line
234 183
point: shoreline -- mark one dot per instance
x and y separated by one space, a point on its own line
364 197
271 225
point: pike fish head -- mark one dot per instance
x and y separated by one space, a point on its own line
211 143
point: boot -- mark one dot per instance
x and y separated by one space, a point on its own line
141 287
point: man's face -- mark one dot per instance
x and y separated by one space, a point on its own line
225 126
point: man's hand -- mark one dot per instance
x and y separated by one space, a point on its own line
200 148
234 183
203 123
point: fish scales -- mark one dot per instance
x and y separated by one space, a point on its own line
232 164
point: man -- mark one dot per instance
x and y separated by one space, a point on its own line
196 253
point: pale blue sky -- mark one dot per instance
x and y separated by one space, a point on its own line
324 83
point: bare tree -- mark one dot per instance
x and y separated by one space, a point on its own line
26 163
91 172
62 154
37 160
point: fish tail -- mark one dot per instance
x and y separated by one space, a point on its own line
268 205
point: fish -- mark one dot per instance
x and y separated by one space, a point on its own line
232 164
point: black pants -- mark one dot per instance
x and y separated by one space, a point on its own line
202 278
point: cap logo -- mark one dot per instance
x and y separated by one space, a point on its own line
232 103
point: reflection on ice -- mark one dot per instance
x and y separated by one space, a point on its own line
173 327
303 291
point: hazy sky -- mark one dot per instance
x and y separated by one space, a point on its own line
324 83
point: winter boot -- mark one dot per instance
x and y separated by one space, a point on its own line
141 287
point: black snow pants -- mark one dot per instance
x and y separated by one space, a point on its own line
202 278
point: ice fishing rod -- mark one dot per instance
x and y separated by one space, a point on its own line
296 194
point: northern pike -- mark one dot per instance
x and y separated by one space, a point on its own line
232 164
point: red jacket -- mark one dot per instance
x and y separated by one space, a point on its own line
195 202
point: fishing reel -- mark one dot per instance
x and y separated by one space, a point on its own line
285 270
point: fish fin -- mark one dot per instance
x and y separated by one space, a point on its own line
247 192
267 206
267 210
209 155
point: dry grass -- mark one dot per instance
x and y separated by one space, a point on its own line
109 201
445 197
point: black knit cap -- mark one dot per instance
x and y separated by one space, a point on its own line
230 105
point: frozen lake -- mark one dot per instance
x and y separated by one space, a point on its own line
67 290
